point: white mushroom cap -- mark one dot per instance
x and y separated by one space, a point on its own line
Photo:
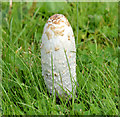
58 39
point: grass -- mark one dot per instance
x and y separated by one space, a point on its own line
95 27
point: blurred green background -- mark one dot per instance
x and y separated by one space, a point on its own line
95 26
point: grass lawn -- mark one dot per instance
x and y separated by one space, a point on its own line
95 27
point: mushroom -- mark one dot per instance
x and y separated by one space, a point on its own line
58 55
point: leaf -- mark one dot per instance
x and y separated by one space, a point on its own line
79 108
94 109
